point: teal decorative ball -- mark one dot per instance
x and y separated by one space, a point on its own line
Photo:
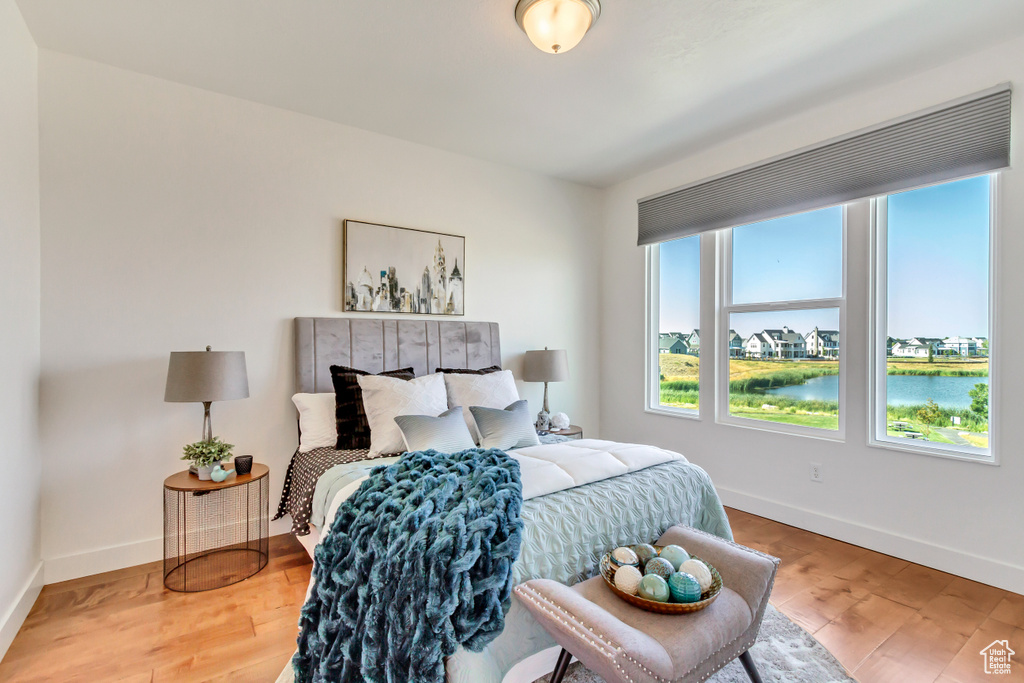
645 551
676 555
659 566
684 587
653 587
624 557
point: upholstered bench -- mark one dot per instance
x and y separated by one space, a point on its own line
625 644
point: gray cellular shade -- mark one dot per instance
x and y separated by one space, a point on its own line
965 138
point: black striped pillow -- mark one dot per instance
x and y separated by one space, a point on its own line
353 429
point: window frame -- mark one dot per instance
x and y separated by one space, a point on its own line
724 308
878 326
652 382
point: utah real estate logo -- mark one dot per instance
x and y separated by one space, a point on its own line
997 657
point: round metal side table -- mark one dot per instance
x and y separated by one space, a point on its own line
215 534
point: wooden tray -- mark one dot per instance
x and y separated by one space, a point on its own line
706 598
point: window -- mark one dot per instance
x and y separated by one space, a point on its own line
675 329
781 323
932 319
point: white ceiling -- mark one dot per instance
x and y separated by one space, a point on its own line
654 78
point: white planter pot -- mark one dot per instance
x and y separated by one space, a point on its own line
204 472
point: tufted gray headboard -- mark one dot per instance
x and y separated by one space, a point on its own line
376 345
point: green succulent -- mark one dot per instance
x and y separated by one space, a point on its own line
203 453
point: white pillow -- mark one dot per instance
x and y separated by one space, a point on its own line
493 390
318 426
385 398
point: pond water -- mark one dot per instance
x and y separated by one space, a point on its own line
948 392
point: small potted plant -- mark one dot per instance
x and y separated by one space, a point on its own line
206 455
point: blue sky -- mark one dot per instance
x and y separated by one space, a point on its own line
938 266
680 285
938 260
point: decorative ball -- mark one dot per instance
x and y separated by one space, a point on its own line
699 571
674 554
560 421
684 587
653 587
627 579
659 566
623 557
645 551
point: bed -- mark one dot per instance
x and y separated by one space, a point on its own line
580 497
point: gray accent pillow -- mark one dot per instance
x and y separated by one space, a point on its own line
446 433
505 429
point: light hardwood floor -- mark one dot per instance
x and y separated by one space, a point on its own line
884 618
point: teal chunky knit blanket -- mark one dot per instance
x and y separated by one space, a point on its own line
418 561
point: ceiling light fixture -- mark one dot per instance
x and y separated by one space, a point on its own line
557 26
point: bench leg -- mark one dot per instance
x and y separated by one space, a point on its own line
561 666
748 665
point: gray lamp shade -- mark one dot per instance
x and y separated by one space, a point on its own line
546 366
200 376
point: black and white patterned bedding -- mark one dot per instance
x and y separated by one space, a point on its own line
300 482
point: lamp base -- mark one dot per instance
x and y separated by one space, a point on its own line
544 420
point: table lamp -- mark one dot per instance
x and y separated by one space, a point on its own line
205 377
549 365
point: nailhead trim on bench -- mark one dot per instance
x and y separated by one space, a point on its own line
572 621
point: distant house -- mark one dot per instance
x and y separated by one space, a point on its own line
822 343
912 349
934 342
693 341
736 345
982 343
959 346
758 346
672 343
784 343
890 342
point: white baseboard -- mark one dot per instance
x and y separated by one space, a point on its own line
16 614
102 560
983 569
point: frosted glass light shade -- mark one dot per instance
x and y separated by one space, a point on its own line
557 26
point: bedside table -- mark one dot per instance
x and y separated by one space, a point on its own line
572 431
215 534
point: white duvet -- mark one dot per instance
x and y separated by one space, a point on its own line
551 468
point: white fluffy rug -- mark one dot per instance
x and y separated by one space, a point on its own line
783 653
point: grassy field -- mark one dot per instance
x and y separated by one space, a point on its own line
805 419
915 426
966 367
976 440
749 378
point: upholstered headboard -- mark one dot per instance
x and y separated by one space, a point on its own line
376 345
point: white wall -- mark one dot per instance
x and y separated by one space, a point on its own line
19 329
957 516
174 218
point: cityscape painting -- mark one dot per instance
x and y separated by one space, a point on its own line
387 269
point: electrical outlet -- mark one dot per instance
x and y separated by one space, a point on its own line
816 472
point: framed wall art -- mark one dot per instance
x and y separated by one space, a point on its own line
387 269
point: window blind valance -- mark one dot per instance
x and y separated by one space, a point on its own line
955 140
